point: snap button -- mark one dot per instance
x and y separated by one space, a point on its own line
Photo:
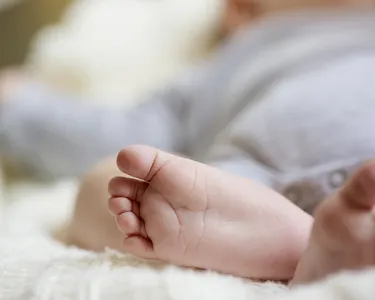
337 178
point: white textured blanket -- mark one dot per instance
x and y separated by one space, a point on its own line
35 266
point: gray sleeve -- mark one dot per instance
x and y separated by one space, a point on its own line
49 133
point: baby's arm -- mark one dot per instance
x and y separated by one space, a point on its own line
49 133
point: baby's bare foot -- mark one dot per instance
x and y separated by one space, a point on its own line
189 214
343 235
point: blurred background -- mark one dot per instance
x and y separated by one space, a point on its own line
20 22
111 52
92 48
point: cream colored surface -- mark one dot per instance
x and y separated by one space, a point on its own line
35 266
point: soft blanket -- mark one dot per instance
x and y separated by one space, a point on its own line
34 265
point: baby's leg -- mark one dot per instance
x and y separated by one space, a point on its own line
92 226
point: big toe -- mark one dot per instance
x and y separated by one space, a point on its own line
359 191
347 216
128 223
142 162
343 236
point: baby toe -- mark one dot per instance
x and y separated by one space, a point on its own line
142 162
119 205
139 246
125 187
359 191
128 223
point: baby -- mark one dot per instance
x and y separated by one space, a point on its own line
286 103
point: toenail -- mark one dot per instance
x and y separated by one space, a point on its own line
337 178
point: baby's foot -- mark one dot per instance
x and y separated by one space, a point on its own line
189 214
343 235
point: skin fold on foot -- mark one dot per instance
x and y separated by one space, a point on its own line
186 213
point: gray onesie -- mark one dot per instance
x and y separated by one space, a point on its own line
289 102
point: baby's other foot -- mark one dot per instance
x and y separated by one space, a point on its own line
343 235
190 214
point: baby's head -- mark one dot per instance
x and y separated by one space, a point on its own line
241 12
